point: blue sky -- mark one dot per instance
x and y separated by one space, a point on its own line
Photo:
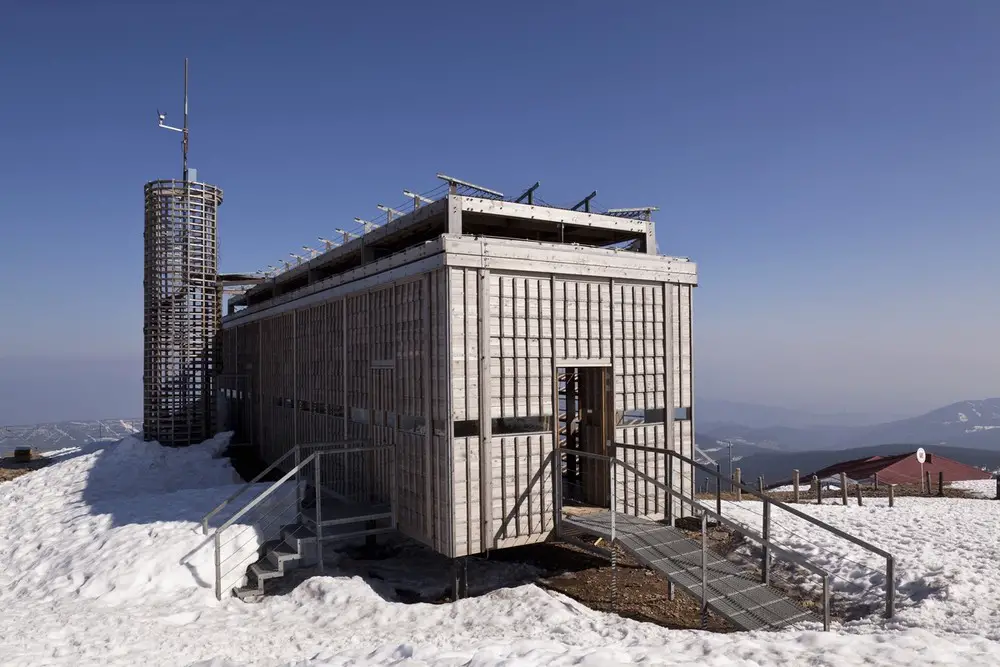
831 166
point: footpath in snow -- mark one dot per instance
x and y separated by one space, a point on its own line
102 562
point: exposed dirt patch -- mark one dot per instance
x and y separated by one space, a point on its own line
633 591
12 469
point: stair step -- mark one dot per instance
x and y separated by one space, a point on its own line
249 594
264 570
297 532
282 553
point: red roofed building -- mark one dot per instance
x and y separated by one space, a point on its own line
901 469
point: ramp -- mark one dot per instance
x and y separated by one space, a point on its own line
746 603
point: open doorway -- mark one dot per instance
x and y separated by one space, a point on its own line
585 411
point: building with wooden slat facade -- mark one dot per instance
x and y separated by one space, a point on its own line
476 335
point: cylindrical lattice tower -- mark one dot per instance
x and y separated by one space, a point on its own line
183 311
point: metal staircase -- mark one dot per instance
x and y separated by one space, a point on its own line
744 596
320 499
297 546
700 571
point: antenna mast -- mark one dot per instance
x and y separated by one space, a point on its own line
183 130
185 140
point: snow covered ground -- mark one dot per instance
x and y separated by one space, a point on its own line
102 563
987 488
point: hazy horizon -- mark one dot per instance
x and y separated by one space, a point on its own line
830 167
36 390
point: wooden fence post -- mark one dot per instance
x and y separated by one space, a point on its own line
739 485
843 487
859 495
876 481
892 494
795 486
819 490
940 482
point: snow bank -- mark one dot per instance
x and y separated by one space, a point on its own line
102 563
114 522
947 557
985 488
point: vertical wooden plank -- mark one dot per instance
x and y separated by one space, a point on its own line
426 355
554 389
485 414
343 349
449 453
668 387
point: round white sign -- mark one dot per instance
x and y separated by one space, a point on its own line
921 455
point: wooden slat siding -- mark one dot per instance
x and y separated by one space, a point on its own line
439 421
686 398
522 483
520 346
641 384
522 364
520 330
466 490
582 329
636 495
485 409
415 502
268 388
464 342
464 308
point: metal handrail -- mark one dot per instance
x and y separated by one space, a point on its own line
294 450
890 598
705 512
264 494
217 536
695 505
777 503
336 448
224 503
745 530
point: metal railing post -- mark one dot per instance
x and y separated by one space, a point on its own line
718 489
319 510
557 490
394 493
614 497
670 485
890 587
704 569
299 495
826 602
766 534
614 559
218 565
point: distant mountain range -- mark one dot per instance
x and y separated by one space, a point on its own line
967 424
57 435
967 431
717 411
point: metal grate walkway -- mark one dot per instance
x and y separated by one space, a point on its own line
746 603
